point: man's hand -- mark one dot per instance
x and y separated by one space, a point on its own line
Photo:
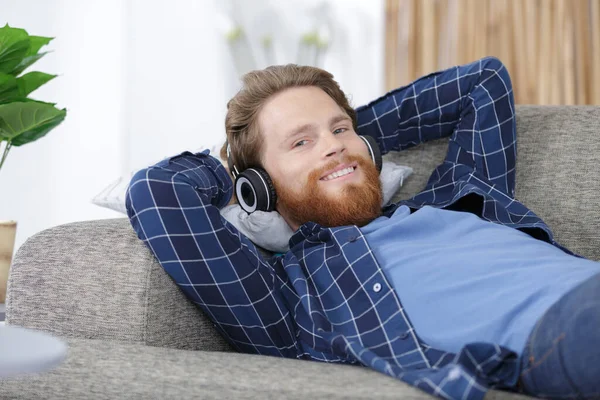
233 198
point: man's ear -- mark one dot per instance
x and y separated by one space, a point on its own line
223 152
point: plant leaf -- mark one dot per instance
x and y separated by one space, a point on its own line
7 30
12 56
26 62
9 90
36 43
14 45
28 100
26 122
31 81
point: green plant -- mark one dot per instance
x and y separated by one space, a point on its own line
22 119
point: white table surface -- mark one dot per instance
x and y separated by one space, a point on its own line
25 351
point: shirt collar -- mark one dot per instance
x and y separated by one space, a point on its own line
304 232
389 209
310 228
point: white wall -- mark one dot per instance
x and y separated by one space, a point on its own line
51 181
143 79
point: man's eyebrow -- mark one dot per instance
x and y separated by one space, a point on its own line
298 130
339 118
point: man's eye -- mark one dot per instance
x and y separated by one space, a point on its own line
299 143
340 130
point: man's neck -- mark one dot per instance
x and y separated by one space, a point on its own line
292 224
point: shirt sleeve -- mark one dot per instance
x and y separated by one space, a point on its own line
472 103
173 207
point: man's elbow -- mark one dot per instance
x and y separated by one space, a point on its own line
139 195
496 66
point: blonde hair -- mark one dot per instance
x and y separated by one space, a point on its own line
241 122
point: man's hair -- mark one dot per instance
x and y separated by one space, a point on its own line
241 122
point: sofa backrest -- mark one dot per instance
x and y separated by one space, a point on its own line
558 163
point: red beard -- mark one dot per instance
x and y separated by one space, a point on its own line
355 204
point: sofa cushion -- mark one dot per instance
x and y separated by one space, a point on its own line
97 369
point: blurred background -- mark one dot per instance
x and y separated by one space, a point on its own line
550 47
146 79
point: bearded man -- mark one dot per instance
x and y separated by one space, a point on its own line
457 290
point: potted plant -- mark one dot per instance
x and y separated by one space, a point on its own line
22 119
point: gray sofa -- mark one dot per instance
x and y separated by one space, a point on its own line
132 334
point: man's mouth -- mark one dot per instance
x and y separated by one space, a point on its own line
339 173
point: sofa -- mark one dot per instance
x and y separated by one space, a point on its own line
132 334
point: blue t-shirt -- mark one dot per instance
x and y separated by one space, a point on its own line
462 279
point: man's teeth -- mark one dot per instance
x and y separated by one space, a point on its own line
337 174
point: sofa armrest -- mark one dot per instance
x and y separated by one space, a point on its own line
96 279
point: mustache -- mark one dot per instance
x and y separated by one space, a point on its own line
318 173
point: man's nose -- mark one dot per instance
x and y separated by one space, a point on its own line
333 146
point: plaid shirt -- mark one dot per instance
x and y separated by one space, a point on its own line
327 298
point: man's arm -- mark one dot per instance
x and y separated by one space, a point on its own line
472 103
174 209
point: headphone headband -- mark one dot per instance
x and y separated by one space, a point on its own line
232 168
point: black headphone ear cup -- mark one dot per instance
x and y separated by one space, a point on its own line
374 151
255 190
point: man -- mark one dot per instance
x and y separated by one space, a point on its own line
457 290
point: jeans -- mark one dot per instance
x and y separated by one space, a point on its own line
562 356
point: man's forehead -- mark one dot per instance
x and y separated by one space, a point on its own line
299 109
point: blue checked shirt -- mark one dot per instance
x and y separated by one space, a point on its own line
327 299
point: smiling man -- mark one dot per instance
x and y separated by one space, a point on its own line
299 125
457 290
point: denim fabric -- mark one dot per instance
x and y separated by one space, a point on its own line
562 356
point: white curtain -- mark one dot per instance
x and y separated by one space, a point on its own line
144 79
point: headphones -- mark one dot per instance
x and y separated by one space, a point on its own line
255 190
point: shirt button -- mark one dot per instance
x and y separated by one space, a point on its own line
352 239
377 287
403 335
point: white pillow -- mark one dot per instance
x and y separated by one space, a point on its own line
113 196
266 229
